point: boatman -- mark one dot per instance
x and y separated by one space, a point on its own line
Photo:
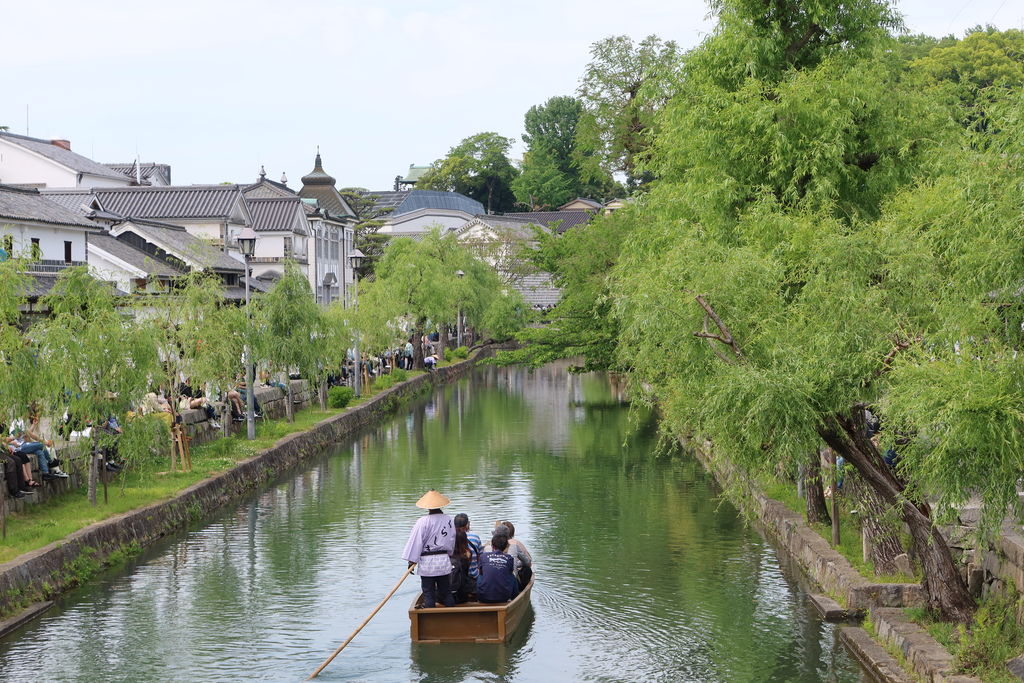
430 546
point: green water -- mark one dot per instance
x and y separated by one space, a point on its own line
643 572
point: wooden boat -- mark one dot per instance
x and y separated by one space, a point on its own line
472 622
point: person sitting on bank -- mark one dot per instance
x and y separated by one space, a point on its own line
497 581
524 561
192 398
430 547
27 441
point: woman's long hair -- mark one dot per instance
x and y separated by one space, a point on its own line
461 543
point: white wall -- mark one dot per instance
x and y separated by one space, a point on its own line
113 271
51 239
425 219
20 166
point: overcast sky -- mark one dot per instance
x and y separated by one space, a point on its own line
218 88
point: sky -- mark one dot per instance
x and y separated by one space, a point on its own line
217 89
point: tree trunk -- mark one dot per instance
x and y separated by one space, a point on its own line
323 395
879 532
814 492
289 407
946 591
442 341
417 345
93 472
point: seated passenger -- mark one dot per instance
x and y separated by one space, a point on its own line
524 561
497 582
465 564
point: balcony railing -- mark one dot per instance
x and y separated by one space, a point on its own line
50 265
278 259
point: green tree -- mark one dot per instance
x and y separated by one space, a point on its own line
622 89
99 362
370 220
986 57
289 325
477 167
551 172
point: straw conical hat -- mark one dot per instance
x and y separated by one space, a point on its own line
432 499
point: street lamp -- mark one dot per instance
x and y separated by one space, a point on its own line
354 259
458 325
247 245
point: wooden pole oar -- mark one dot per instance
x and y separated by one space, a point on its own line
365 622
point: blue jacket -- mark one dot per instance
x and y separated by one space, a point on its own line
497 581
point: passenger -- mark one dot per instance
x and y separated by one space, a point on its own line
524 561
462 586
476 546
497 582
430 546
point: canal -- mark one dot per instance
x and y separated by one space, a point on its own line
643 572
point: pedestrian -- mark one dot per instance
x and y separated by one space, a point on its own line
430 547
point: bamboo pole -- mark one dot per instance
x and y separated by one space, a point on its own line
360 628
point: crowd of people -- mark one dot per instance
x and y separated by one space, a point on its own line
455 567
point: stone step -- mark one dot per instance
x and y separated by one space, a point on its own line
879 664
830 610
929 659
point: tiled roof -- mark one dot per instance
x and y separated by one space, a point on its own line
514 226
62 156
176 241
405 201
538 290
179 201
264 187
415 173
146 170
274 214
29 205
132 256
589 202
569 219
40 285
71 199
329 199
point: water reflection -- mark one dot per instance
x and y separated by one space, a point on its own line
645 573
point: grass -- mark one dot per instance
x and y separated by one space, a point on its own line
982 647
849 532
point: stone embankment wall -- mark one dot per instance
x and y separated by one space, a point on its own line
815 556
60 566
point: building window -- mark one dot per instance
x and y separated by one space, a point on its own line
334 251
37 251
287 247
67 252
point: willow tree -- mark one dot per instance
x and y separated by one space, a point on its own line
186 324
99 362
288 323
22 377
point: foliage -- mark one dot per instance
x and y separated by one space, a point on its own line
461 352
290 326
400 375
477 167
98 363
382 382
986 57
368 239
551 172
622 89
339 397
448 355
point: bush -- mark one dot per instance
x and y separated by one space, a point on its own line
448 355
339 397
462 352
399 375
383 382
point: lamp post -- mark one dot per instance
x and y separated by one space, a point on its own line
354 259
458 325
247 245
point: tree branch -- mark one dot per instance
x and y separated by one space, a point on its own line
725 337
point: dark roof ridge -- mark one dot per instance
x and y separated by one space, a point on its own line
170 188
23 190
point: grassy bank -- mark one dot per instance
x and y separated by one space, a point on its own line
849 531
982 647
149 482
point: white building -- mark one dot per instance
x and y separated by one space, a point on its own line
332 224
34 162
410 213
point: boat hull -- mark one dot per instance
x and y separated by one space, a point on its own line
473 622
